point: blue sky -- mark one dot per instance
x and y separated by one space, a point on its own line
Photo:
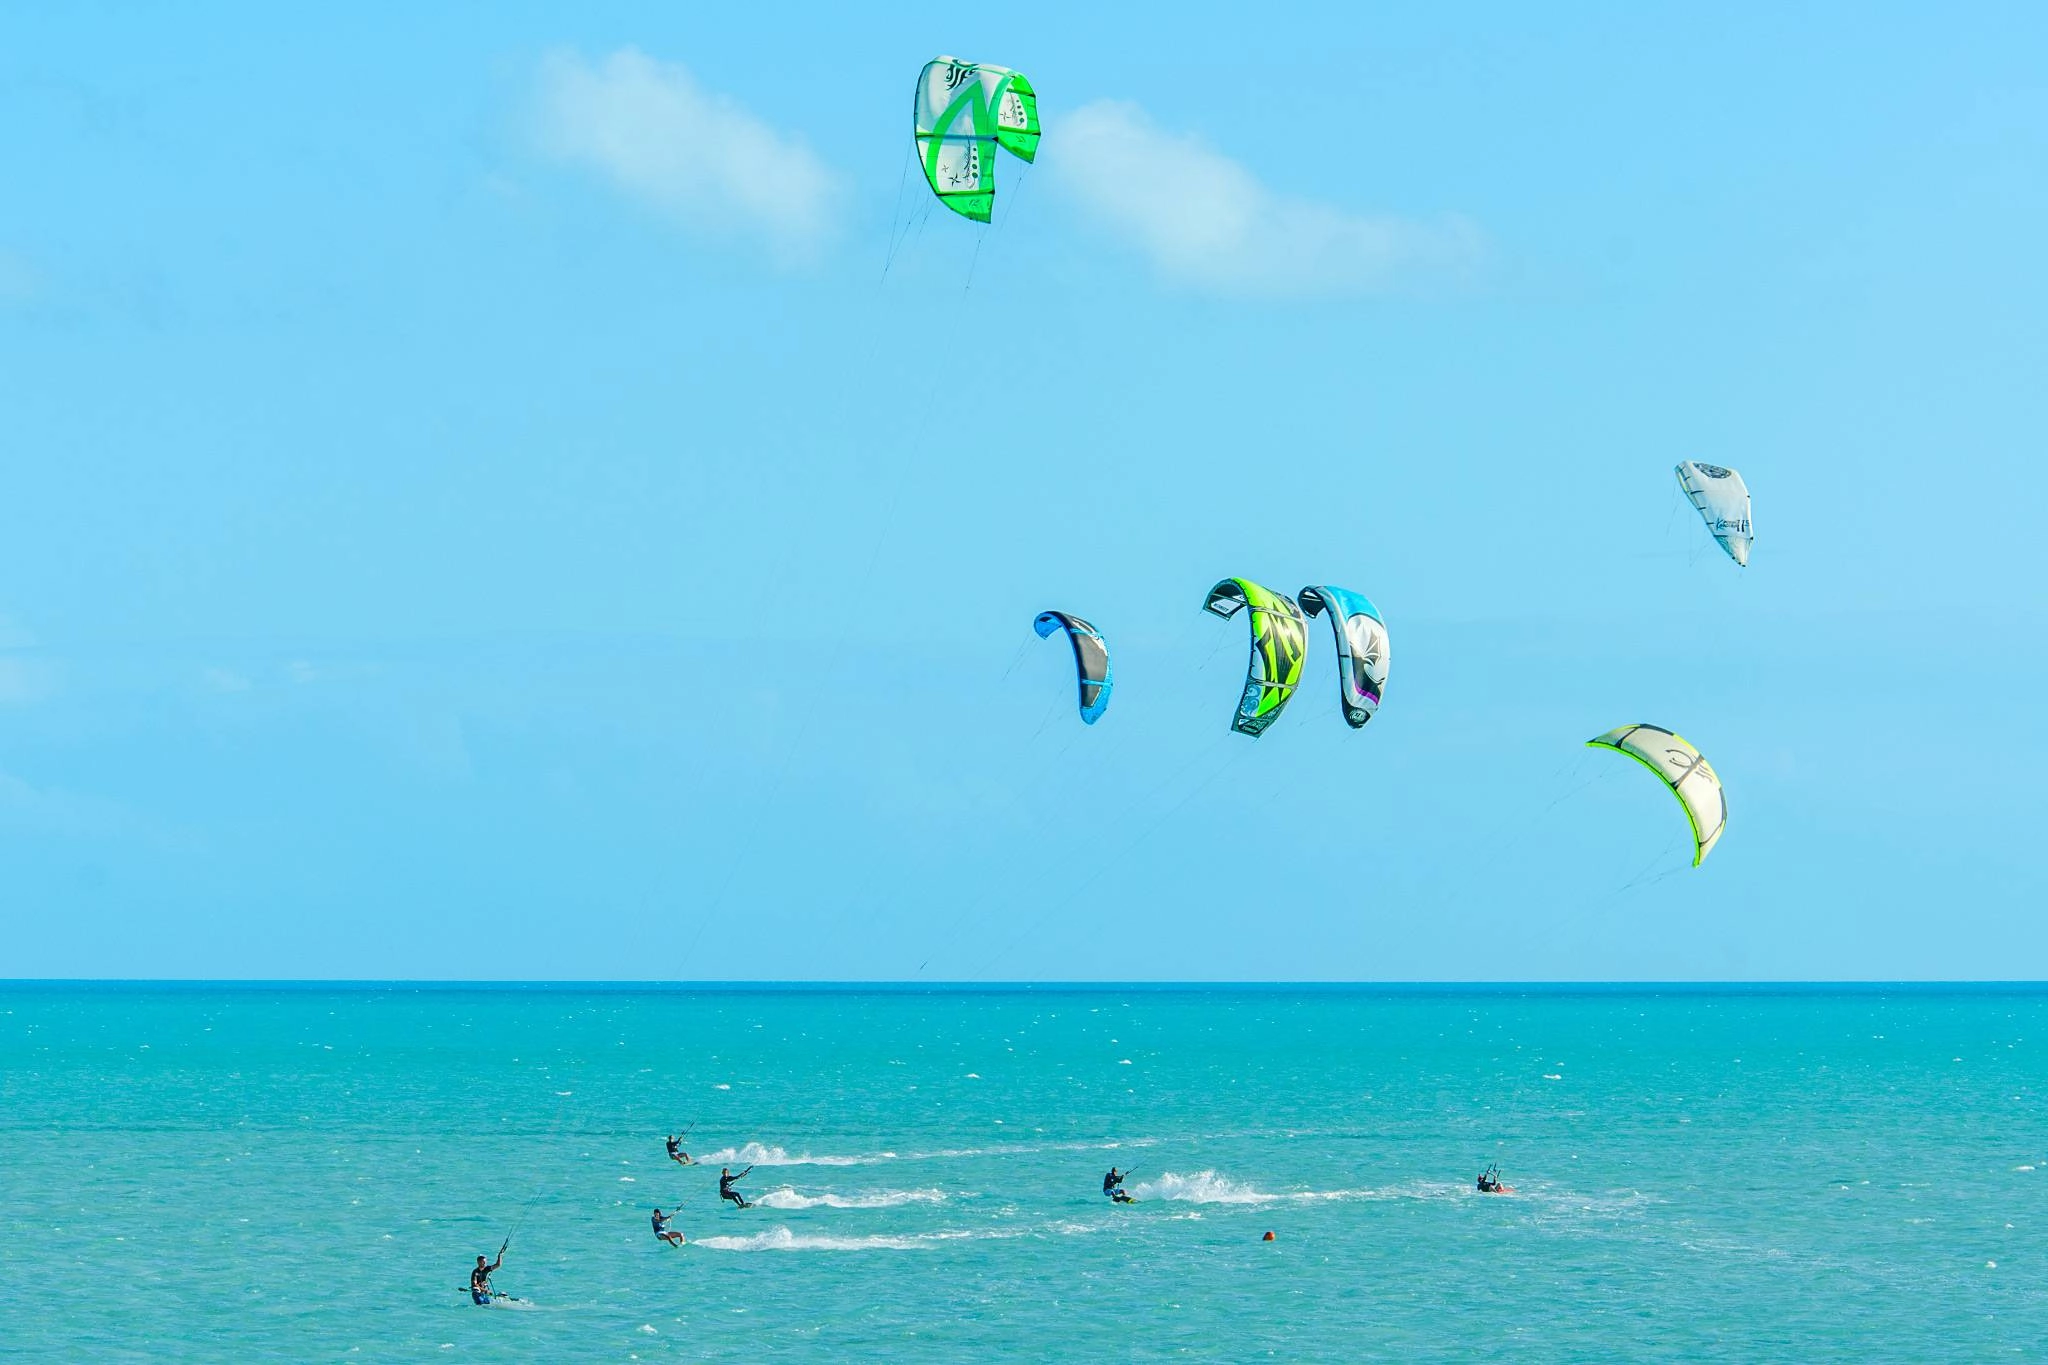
476 505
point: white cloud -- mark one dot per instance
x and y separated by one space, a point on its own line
655 133
1206 221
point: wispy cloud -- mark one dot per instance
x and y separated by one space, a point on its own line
17 278
700 157
224 679
25 678
23 682
57 812
1208 222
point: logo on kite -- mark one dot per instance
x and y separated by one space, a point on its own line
963 111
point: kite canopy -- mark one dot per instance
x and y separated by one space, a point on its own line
1723 502
1279 644
1091 659
963 112
1361 649
1682 768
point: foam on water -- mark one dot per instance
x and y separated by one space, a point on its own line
1026 1149
1203 1187
783 1239
765 1154
1207 1187
787 1197
759 1154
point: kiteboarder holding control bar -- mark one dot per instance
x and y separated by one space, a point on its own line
664 1231
480 1291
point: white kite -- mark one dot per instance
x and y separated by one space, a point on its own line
1723 502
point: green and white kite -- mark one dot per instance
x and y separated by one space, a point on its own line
964 111
1279 645
1684 770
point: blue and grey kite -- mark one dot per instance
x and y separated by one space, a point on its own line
1091 659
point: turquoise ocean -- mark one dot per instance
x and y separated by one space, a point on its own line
306 1173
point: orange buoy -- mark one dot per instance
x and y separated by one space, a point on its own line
1267 1238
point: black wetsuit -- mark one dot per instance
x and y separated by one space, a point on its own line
480 1281
675 1150
726 1191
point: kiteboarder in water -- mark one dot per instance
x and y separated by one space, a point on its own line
1489 1182
676 1152
480 1291
1113 1186
664 1231
725 1183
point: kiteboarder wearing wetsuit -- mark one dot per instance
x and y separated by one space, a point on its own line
676 1152
725 1183
1113 1186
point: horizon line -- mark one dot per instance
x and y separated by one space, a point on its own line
855 985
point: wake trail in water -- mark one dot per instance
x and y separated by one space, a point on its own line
764 1154
758 1154
783 1239
787 1197
1208 1187
1028 1149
